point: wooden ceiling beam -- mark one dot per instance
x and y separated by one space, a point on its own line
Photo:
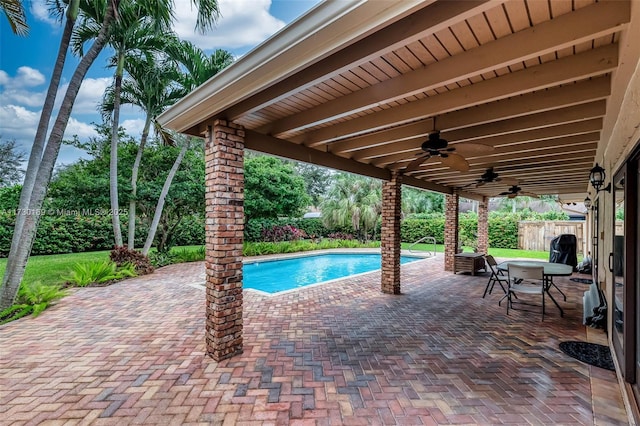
510 168
567 30
407 131
471 177
281 148
575 175
468 131
524 149
520 176
424 184
594 125
428 20
561 71
586 149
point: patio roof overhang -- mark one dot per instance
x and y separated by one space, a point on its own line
357 86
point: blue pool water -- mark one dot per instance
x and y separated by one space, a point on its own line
280 275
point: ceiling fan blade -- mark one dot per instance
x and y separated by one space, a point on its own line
416 163
530 194
472 149
504 193
456 162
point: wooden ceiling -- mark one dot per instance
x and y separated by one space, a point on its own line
529 78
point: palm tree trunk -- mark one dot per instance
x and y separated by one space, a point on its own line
113 165
20 252
43 125
163 196
134 183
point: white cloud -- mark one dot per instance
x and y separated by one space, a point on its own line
89 96
18 122
77 128
40 11
133 127
28 77
25 77
19 90
244 23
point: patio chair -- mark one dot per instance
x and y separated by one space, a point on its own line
525 280
497 276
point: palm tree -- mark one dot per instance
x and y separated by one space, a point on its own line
420 201
149 85
40 171
14 11
199 68
134 34
39 140
354 201
42 160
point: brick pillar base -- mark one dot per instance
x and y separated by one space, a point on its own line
390 234
450 230
483 226
224 199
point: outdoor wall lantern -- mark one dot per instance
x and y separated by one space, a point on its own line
596 177
587 203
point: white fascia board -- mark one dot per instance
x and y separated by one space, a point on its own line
325 29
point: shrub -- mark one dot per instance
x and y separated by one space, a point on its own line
282 233
503 230
188 255
122 256
39 295
314 228
263 248
411 230
340 236
33 298
160 259
84 274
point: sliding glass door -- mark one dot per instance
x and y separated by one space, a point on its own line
623 330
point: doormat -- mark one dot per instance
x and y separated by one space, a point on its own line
590 353
582 280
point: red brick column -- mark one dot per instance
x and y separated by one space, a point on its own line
450 230
390 234
483 225
224 198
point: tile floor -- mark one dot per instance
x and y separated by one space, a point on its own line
338 354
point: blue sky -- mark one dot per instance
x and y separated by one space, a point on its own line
26 63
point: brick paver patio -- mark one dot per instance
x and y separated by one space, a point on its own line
341 353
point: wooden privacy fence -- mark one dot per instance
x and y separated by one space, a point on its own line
537 235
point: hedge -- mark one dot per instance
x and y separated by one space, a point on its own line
70 233
76 233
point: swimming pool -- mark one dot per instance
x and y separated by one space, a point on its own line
272 276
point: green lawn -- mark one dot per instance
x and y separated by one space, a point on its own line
50 269
495 252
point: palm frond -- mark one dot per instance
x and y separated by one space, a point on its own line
14 11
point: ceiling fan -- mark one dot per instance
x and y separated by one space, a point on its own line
490 176
515 191
450 156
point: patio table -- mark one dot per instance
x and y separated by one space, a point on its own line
550 270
